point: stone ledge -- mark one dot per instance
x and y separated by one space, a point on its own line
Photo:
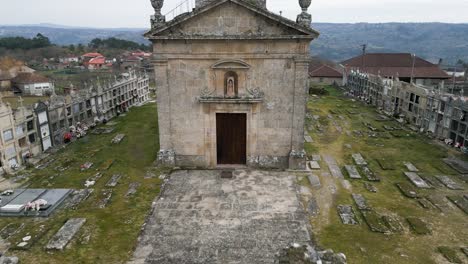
222 100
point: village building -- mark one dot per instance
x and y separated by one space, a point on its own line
324 74
33 84
231 80
9 69
405 66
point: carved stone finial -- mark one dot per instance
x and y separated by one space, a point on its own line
157 19
304 19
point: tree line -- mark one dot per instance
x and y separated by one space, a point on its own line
41 41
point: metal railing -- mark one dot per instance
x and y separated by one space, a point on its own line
183 7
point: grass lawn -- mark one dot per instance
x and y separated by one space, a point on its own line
110 234
449 229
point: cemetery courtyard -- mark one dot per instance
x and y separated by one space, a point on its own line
388 219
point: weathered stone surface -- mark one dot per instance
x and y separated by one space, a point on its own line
223 221
407 190
77 197
416 180
314 181
65 234
458 165
106 195
132 189
316 158
118 138
313 207
347 215
449 182
359 160
333 167
114 180
440 202
352 172
361 202
411 167
9 260
375 221
370 175
393 223
370 187
314 165
418 226
459 201
425 203
308 139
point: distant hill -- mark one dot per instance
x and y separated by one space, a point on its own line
337 42
64 35
431 41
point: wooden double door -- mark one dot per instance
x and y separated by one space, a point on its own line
231 139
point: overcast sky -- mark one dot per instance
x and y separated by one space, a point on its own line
135 13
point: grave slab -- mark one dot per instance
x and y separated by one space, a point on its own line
316 158
371 188
106 195
459 201
347 215
308 139
118 138
77 197
370 175
361 202
411 167
375 221
408 190
132 189
114 180
359 160
449 183
60 240
314 181
313 207
418 226
416 180
353 172
458 165
18 203
440 202
314 165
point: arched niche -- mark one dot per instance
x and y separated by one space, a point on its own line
230 78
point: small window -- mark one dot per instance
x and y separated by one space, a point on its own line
32 138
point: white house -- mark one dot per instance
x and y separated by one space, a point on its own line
33 84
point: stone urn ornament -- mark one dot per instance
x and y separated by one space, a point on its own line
157 19
157 5
305 4
304 18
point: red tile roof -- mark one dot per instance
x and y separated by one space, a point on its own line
325 71
97 60
92 55
27 78
395 64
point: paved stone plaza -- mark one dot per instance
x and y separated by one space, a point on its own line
203 218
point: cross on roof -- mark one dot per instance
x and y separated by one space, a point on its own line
20 101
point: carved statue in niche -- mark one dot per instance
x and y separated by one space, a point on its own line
230 84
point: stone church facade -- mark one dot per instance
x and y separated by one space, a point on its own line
232 82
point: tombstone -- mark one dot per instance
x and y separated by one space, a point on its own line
347 215
114 180
418 226
353 172
416 180
449 254
411 167
314 165
77 197
106 165
314 181
440 202
9 260
346 184
117 139
393 223
106 197
86 166
407 190
460 202
308 139
370 175
449 183
375 221
361 202
132 189
11 229
425 203
65 234
371 188
316 158
313 207
359 160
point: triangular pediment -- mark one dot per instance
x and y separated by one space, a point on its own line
230 18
